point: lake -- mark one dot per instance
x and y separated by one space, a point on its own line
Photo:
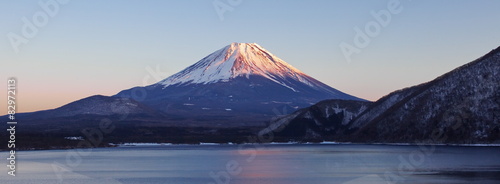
259 164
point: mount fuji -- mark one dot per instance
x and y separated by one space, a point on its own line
246 60
240 84
230 93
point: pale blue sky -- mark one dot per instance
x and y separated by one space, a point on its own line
102 47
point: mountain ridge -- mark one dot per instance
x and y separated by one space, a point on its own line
466 98
461 107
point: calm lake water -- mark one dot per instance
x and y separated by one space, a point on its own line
259 164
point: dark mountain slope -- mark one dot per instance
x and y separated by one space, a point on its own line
462 106
322 121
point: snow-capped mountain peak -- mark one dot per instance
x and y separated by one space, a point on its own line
235 60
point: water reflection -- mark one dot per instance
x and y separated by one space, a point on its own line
262 164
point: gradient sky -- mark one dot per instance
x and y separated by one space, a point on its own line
102 47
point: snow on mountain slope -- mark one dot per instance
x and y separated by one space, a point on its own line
240 59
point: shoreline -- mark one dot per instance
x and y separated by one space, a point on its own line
111 145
